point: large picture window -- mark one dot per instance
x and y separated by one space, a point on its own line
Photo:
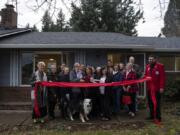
168 61
27 68
177 64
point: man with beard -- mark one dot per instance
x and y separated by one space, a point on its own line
155 87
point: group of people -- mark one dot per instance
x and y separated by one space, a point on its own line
106 101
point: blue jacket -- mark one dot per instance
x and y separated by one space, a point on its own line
117 78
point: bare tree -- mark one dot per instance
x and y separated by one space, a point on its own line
53 5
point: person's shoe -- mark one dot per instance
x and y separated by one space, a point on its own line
132 114
41 121
157 122
35 121
105 119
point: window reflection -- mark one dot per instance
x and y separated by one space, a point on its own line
168 61
27 67
177 63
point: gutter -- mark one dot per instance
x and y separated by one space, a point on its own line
78 46
15 33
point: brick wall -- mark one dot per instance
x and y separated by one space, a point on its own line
15 94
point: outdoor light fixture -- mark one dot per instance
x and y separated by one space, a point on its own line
51 59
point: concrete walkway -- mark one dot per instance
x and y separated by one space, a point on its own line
19 117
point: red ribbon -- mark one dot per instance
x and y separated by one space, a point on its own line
36 106
153 97
81 85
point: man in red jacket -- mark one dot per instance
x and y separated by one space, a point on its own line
155 87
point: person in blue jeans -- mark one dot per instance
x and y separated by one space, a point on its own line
117 90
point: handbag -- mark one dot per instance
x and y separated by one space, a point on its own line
126 99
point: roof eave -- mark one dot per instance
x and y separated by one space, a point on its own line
78 46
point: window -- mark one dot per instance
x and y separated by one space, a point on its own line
177 60
168 61
122 57
27 68
116 57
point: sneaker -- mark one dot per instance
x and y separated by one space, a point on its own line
35 121
41 121
157 122
132 114
105 119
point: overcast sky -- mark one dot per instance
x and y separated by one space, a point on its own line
152 26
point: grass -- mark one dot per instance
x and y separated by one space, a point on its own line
170 126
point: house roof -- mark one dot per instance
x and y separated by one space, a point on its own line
11 32
88 40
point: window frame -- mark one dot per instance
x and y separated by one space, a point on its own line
20 69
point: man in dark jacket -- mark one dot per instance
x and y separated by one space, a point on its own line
76 75
52 91
65 93
117 90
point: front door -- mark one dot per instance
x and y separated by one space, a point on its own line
55 58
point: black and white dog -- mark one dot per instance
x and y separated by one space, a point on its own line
82 107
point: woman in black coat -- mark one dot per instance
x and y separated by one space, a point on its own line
105 93
64 94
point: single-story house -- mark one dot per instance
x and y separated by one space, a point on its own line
21 49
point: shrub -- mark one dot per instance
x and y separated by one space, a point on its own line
172 89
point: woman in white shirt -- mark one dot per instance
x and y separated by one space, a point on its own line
104 95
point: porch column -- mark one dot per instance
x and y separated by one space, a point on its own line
14 67
80 56
145 93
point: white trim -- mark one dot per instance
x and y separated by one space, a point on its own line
167 49
24 85
172 71
47 52
14 68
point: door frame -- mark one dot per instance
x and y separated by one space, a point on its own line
45 52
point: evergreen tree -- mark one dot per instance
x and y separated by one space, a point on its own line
46 22
106 15
86 17
27 26
172 28
53 27
34 28
75 20
60 22
127 18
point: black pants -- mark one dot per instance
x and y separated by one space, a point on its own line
52 100
151 106
132 106
51 108
105 105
